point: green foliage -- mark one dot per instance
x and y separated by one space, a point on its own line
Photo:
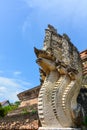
34 111
0 105
31 112
4 110
85 121
25 111
9 108
17 103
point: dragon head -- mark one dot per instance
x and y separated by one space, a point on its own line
45 60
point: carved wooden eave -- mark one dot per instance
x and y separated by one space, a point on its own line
83 55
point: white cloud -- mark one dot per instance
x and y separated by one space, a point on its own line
2 89
8 82
9 88
16 73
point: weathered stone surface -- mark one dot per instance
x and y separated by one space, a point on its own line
19 122
60 61
59 128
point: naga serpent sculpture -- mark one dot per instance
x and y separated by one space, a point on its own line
61 77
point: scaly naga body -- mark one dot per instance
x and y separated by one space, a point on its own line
61 78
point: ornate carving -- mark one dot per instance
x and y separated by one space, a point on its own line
61 72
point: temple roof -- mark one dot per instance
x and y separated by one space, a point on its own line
83 55
29 94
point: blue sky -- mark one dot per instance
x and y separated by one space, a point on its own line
22 24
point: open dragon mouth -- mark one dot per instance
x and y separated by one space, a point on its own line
43 54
